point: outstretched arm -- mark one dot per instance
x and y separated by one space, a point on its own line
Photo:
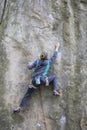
52 59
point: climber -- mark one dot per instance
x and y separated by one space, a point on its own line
40 76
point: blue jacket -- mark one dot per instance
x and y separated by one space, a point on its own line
42 66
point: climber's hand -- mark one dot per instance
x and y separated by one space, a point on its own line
57 46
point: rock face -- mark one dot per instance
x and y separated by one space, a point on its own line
26 28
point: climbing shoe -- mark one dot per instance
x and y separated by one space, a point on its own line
56 93
17 110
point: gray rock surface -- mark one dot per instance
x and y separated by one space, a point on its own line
26 28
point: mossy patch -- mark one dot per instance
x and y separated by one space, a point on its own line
83 1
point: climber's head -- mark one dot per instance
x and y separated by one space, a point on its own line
44 55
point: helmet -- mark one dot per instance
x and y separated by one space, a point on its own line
44 55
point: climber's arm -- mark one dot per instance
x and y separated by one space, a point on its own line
31 65
52 59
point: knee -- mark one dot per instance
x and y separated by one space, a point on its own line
54 76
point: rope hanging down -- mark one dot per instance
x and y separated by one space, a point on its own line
41 102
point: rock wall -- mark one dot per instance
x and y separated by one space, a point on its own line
26 28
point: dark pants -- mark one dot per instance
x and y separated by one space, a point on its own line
52 79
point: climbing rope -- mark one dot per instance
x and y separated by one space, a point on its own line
41 102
